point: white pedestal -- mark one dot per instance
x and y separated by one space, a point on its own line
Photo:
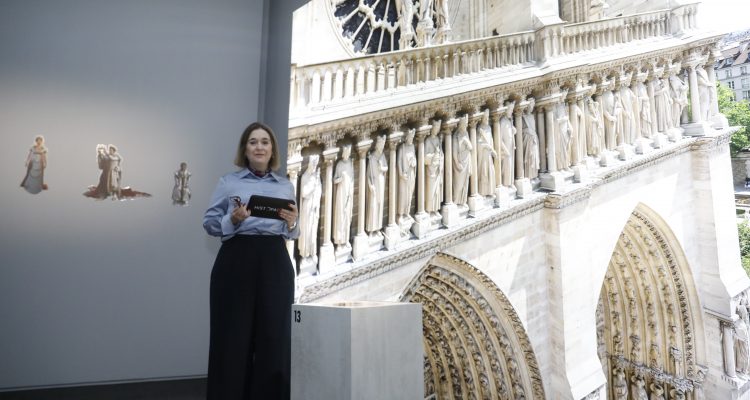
308 266
643 146
361 246
698 129
675 134
450 215
503 195
553 180
719 121
523 188
624 152
357 350
421 225
327 259
660 140
607 158
580 173
343 253
476 202
392 236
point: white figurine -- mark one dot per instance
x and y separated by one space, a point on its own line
309 211
461 162
434 162
377 166
530 142
407 172
343 183
486 156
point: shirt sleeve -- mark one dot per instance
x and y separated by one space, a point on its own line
294 233
216 220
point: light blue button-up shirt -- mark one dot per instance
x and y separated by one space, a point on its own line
243 184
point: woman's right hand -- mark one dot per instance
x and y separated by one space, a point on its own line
240 213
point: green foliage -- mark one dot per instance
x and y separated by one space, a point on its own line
743 229
738 114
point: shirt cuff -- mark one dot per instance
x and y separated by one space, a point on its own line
227 227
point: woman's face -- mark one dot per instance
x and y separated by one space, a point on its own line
259 149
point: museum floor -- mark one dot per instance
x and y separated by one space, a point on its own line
185 389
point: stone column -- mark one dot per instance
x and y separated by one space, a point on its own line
327 259
552 179
360 247
523 184
695 101
392 231
449 210
421 219
718 120
475 200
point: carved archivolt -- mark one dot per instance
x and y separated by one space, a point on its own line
475 345
648 314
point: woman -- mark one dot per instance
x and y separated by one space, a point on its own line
252 282
36 162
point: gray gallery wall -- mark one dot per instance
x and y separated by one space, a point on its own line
97 291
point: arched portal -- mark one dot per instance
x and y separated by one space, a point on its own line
649 325
475 345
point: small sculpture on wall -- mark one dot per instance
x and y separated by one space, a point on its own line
310 193
407 172
343 182
110 178
181 190
36 162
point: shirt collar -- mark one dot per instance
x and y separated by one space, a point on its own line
245 172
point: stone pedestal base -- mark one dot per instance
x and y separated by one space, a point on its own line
392 236
308 266
476 203
591 163
698 129
643 146
421 225
357 350
624 152
660 140
523 188
607 158
719 121
361 246
343 253
503 195
450 214
580 174
675 134
554 180
404 224
327 259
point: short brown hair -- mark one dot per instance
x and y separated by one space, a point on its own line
240 159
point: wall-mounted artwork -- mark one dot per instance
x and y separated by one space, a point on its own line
36 162
181 190
110 176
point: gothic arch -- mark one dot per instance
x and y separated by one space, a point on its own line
649 320
475 344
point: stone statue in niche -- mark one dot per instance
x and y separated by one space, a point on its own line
377 166
507 145
638 388
644 108
619 114
662 104
110 178
563 131
343 183
679 91
405 23
530 142
594 127
36 162
629 105
706 92
442 17
578 133
310 191
742 340
607 101
461 162
677 394
181 190
407 172
620 385
654 355
434 162
486 156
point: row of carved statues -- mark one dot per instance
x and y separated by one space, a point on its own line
490 154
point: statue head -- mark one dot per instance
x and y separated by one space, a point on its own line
410 135
509 108
532 103
486 116
346 151
380 144
436 124
312 163
463 122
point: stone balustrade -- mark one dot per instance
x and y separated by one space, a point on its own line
318 86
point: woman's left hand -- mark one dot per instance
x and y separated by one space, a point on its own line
290 216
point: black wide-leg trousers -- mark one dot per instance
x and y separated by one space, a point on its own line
252 290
